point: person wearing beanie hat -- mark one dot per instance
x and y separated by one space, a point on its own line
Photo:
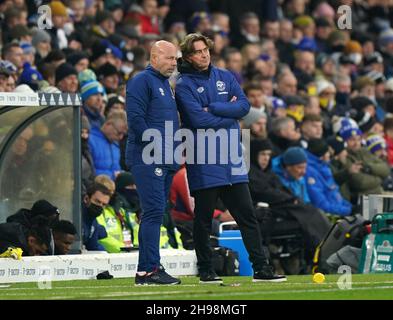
104 25
40 36
108 76
295 107
385 38
326 91
92 96
67 78
349 129
319 148
123 180
279 107
290 167
337 145
373 170
80 61
258 117
101 54
373 61
258 149
58 9
323 190
337 40
353 49
294 156
91 88
39 208
30 76
59 19
115 102
376 145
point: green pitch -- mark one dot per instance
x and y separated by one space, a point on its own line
375 286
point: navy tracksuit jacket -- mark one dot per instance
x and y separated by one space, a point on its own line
150 102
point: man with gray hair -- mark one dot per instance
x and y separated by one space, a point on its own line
283 134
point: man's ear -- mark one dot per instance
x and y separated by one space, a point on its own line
86 199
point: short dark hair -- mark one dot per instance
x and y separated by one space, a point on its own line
94 187
230 51
64 226
253 85
7 48
312 118
39 229
187 45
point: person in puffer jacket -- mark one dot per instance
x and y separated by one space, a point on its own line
211 99
323 190
151 106
290 167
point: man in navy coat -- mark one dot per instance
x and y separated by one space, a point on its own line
210 98
151 105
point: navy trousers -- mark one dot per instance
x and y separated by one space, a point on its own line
153 185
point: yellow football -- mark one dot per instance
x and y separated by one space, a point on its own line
318 278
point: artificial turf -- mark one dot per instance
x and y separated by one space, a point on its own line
364 287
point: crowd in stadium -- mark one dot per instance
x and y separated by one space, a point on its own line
321 96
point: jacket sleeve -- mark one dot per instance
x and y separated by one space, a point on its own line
193 110
261 189
379 167
318 198
111 244
237 109
137 102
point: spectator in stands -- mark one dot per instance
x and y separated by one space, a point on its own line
286 84
108 76
377 146
96 198
233 60
41 42
256 121
67 78
311 128
40 208
64 235
14 53
373 170
283 134
249 30
323 191
290 167
104 145
92 96
107 182
79 60
57 30
117 220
